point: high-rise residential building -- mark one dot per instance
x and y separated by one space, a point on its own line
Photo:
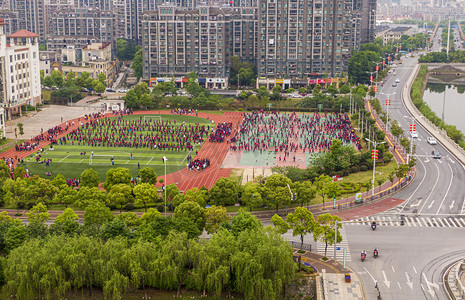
11 19
364 16
31 15
85 22
177 41
303 38
244 32
19 70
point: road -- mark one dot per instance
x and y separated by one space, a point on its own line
434 209
411 260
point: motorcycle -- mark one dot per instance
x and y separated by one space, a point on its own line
373 226
375 254
363 256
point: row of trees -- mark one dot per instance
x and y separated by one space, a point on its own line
124 253
455 56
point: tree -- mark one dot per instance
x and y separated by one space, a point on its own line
402 170
361 64
48 81
15 236
57 78
113 229
225 191
277 89
214 217
324 231
119 195
102 78
131 98
191 210
301 222
38 213
277 192
97 214
148 175
21 128
67 215
137 64
99 87
89 178
171 192
149 216
251 196
305 192
87 196
316 89
130 219
345 89
281 226
332 89
244 221
320 184
145 194
117 176
333 189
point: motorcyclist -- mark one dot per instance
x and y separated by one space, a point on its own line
375 252
364 254
373 225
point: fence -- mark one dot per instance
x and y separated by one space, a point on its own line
307 247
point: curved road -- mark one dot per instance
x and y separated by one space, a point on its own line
414 256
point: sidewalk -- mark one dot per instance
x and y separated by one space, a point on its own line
333 275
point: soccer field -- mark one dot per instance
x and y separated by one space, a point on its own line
69 160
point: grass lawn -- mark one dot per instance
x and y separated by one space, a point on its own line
68 161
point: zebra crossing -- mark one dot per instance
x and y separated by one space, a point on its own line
412 221
320 248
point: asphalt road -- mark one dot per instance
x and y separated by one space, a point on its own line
413 257
411 260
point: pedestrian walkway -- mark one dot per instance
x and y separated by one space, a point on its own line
320 248
413 221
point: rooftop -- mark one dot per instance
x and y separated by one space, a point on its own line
23 33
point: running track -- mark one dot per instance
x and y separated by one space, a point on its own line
184 178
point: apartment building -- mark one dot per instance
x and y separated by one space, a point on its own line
364 11
91 22
244 32
177 41
20 70
303 38
31 15
11 20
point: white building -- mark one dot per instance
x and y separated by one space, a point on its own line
20 70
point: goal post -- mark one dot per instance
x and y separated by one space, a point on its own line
152 117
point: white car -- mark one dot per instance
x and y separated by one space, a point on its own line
414 134
432 140
397 80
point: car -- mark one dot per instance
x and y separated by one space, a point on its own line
397 80
122 91
394 84
110 90
414 134
436 154
431 140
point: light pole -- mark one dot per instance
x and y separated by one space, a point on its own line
165 160
388 104
375 144
412 129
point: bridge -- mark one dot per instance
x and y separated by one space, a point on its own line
446 68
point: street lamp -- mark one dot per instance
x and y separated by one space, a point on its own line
375 144
388 104
165 160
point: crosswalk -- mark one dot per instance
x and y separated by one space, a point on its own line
320 248
412 221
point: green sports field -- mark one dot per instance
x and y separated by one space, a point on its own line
68 161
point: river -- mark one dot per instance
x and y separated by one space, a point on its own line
451 108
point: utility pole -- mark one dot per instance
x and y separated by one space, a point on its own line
448 39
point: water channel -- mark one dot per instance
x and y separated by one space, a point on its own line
447 101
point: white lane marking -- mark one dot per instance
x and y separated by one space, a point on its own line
416 204
431 192
452 222
446 222
398 283
415 270
431 204
388 283
426 224
423 179
374 280
409 283
436 222
448 189
463 207
451 205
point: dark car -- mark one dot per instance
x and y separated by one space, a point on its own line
436 154
394 84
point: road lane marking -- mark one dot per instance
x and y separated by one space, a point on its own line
374 280
409 282
398 283
452 222
435 221
393 269
386 282
415 270
423 179
426 224
431 192
442 224
448 189
451 205
431 204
